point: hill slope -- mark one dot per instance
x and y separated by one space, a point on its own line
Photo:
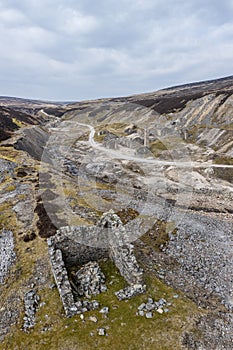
162 158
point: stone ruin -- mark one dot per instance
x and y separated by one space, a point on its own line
7 254
84 246
90 280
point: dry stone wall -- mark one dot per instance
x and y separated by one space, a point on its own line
126 262
61 278
7 254
68 241
65 250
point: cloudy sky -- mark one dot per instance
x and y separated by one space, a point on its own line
81 49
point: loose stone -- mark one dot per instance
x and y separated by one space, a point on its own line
101 331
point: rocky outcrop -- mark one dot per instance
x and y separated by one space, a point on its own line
33 141
6 169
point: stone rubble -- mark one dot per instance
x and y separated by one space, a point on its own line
7 254
130 291
82 306
146 309
203 249
31 304
90 280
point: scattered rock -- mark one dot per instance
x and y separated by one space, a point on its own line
104 310
84 306
101 331
160 311
130 291
145 309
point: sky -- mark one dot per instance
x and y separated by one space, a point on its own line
68 50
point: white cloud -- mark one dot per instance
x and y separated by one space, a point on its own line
11 16
75 22
67 49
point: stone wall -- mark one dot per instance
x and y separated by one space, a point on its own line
68 241
61 278
7 254
125 261
105 240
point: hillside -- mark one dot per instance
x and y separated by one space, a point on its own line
163 162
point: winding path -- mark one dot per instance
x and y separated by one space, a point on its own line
117 154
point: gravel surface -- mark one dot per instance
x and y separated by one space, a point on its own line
203 248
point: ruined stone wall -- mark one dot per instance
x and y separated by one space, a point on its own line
74 253
126 262
79 245
7 254
61 277
64 287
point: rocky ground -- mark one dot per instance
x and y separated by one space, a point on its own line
183 228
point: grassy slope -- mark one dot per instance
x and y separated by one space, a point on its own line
126 330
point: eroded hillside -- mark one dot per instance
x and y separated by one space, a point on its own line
162 160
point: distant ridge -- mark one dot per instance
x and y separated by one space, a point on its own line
220 83
201 82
